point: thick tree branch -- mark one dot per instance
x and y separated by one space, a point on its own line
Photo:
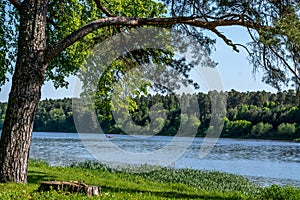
16 3
133 21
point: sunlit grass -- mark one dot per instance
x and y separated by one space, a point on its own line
150 183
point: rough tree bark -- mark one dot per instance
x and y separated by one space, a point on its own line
25 92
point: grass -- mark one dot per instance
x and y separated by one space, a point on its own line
161 183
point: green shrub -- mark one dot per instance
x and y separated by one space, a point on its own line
237 128
261 129
286 129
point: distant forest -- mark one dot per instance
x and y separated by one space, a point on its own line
258 114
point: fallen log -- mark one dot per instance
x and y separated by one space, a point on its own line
72 187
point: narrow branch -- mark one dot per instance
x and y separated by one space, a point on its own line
103 8
264 57
16 3
225 39
251 35
248 51
107 12
133 22
286 63
172 9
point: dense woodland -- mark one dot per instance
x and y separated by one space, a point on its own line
249 115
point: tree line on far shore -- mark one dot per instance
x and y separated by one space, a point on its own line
258 114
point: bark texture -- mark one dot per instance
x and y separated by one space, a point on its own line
73 187
25 92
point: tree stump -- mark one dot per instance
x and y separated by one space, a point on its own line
73 187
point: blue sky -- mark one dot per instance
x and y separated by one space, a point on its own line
233 67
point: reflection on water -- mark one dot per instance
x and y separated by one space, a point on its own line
265 162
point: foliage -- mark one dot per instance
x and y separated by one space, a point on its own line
276 118
238 128
275 36
54 115
277 192
63 18
8 40
286 129
261 130
297 140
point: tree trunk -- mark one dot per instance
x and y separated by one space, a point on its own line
25 92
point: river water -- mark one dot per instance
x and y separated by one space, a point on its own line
265 162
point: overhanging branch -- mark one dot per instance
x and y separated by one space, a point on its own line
225 39
241 45
133 21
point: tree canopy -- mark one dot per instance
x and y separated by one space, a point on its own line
273 26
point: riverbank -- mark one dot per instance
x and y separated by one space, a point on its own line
161 183
265 162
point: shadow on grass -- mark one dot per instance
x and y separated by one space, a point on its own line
169 194
37 177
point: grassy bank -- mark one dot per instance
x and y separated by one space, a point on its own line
161 183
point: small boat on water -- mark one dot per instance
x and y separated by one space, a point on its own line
109 136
